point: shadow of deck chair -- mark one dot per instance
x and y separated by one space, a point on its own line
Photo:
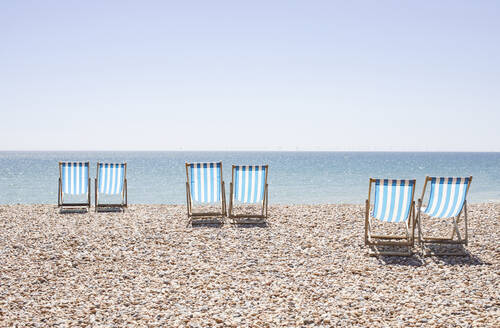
111 179
74 180
204 185
447 200
393 203
248 186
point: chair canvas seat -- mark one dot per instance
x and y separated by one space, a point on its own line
392 200
249 186
205 182
425 210
111 179
447 200
204 186
447 196
393 203
73 180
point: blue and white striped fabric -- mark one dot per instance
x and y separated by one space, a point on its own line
249 183
75 178
393 199
111 178
205 182
447 197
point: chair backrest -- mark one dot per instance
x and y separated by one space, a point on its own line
249 182
205 182
111 178
74 177
393 199
447 196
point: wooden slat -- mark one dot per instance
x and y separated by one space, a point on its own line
388 243
257 216
75 204
111 205
388 237
207 214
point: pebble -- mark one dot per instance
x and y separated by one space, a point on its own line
307 267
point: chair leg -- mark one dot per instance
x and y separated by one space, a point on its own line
455 228
96 205
466 225
413 224
230 210
267 200
224 212
188 200
367 210
447 241
59 194
454 225
419 224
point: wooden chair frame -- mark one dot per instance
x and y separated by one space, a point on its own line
124 194
406 240
60 194
199 215
264 203
455 229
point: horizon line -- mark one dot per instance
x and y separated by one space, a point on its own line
261 150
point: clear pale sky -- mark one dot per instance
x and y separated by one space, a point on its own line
250 75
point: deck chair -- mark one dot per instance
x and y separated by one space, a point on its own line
73 180
393 203
248 186
111 179
447 200
204 185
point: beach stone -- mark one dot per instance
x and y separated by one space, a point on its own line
306 267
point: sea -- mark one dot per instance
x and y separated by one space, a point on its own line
295 177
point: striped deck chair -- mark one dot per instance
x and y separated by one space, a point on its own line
393 203
204 185
73 180
111 179
249 186
447 200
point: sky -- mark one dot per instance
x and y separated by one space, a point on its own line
250 75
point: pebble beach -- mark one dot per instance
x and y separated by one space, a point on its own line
307 266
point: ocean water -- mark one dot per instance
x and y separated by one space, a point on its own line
294 177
